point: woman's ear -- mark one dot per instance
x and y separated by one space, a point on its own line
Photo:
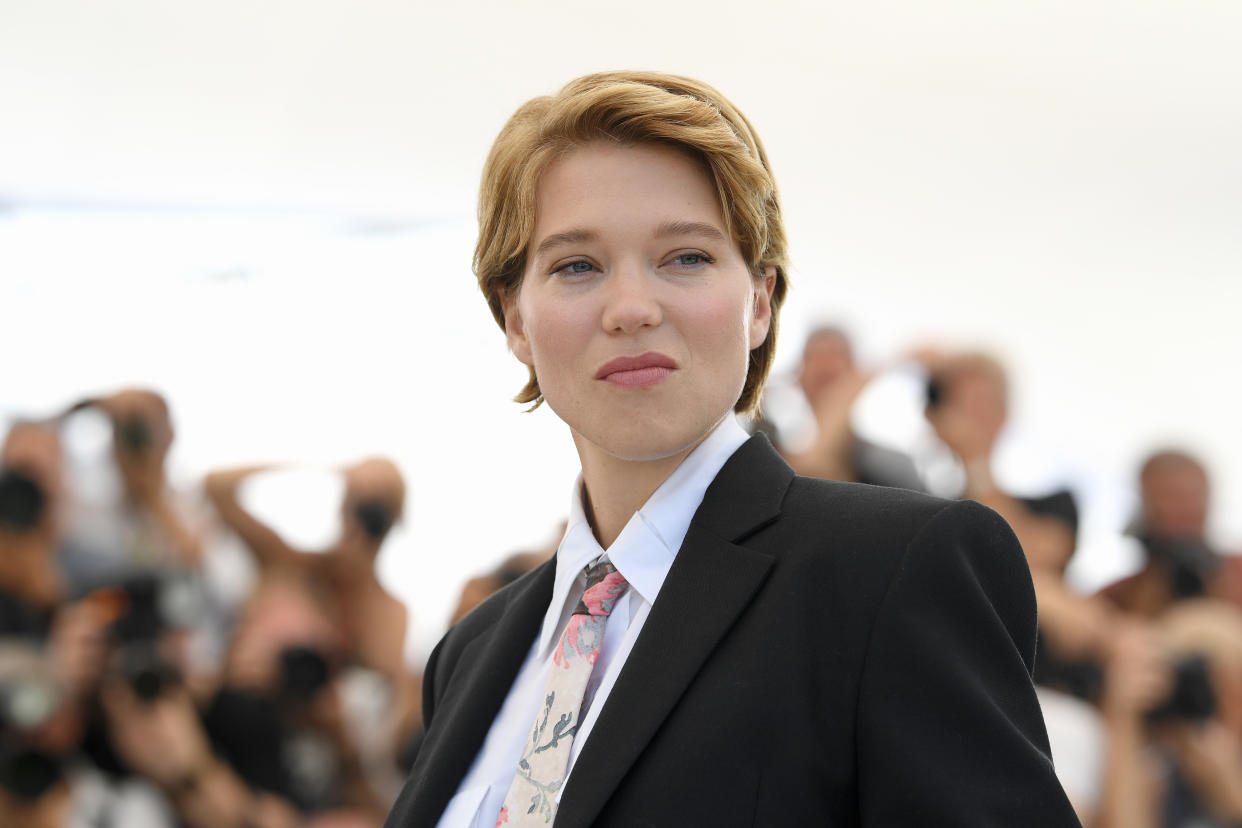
761 321
515 329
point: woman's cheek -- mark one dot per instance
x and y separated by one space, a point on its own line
557 336
729 323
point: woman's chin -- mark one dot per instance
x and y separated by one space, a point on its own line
639 442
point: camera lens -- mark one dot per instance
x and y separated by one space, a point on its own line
1192 698
304 672
21 500
148 675
147 684
134 435
375 517
28 773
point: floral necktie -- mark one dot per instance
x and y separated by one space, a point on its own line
531 799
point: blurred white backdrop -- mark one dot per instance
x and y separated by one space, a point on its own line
266 211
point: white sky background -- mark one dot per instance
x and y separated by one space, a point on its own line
266 211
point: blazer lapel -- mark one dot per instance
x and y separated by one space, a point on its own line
486 669
713 578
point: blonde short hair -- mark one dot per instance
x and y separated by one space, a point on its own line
631 108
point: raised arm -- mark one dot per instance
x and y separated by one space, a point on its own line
268 547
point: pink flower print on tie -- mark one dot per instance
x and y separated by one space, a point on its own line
582 639
599 599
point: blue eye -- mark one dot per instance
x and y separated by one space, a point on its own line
691 259
576 267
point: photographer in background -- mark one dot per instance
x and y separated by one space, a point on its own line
1173 707
1172 527
31 490
372 622
31 582
40 786
151 525
280 716
53 652
143 755
967 405
832 382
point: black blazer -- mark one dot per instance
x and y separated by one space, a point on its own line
820 653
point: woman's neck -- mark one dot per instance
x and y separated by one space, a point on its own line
615 488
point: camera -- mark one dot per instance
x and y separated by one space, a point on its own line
143 608
28 700
1192 698
934 392
304 671
22 501
375 517
27 772
133 434
1189 563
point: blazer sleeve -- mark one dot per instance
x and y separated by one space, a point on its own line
949 727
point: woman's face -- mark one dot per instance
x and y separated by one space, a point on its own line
636 310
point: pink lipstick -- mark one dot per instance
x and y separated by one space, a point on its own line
637 372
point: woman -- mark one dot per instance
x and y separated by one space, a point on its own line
716 641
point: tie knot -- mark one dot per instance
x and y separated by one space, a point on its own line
604 585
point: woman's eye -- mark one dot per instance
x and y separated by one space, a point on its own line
691 259
575 268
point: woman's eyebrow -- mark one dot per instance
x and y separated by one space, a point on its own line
575 236
664 230
689 228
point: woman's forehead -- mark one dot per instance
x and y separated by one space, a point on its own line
592 189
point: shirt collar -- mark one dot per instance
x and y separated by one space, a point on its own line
648 543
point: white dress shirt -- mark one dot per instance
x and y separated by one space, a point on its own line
642 553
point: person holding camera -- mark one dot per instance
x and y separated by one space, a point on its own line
832 382
968 407
150 524
373 623
162 739
1172 703
1171 526
280 715
33 604
31 501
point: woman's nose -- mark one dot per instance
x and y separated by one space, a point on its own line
631 303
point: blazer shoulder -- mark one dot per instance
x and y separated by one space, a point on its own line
877 511
872 534
756 491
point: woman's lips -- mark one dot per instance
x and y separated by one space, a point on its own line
637 372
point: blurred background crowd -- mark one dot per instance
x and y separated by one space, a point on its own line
170 656
147 678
